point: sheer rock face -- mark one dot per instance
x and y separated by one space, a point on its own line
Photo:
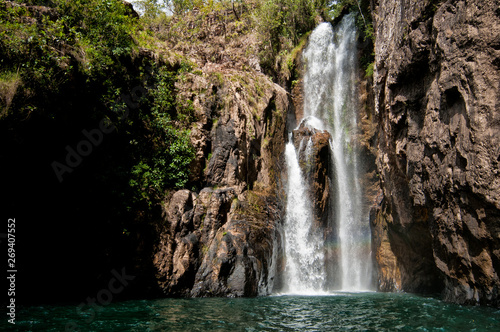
437 99
241 129
216 245
224 240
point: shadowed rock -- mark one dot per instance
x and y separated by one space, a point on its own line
436 96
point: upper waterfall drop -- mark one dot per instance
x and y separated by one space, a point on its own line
331 255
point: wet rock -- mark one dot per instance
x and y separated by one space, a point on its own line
223 164
315 158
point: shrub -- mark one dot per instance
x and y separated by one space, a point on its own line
86 47
44 45
369 70
164 156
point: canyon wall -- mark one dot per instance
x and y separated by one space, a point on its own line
224 240
437 103
223 237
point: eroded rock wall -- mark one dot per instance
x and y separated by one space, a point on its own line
224 239
437 101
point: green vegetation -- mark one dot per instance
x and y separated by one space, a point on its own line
74 61
164 163
9 82
281 25
369 69
70 64
93 35
361 8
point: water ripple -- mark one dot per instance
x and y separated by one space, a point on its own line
340 312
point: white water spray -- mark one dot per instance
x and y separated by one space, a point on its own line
305 272
329 104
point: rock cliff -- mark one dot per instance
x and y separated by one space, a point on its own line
195 74
436 86
223 239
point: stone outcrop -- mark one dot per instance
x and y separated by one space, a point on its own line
314 159
436 83
222 237
224 240
210 247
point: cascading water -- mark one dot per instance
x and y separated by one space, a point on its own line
329 104
305 272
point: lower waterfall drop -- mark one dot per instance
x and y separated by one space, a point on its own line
305 272
339 250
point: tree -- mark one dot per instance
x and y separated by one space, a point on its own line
152 8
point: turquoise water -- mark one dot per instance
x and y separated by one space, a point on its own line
341 312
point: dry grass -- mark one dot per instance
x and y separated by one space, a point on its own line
216 34
9 83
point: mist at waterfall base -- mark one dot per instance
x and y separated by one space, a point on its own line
323 258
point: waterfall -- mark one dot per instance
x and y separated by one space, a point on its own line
329 104
305 272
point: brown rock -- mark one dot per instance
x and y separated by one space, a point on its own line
224 241
214 245
316 168
436 96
